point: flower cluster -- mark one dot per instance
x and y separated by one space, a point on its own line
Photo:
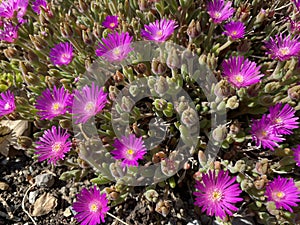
267 132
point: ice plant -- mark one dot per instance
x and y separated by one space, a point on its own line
53 103
241 72
88 102
235 30
297 155
129 149
53 145
9 7
283 118
283 192
9 33
283 47
91 206
38 4
217 194
159 31
263 133
111 22
219 11
115 47
7 103
61 54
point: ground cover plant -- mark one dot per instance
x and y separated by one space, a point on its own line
149 112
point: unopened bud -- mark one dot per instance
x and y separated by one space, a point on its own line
220 133
194 29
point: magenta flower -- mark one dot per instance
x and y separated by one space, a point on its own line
283 192
53 145
91 206
9 7
9 33
263 133
297 155
129 150
219 11
38 4
52 104
111 22
297 3
235 30
115 47
241 72
7 103
283 48
283 118
88 102
217 194
61 54
159 31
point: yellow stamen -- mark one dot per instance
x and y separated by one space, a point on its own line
130 151
216 195
56 147
55 106
284 51
7 106
217 15
264 133
239 78
116 51
112 24
93 207
234 33
159 33
278 120
89 106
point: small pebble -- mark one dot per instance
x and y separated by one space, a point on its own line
3 186
45 179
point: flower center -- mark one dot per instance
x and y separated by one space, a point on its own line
264 133
278 120
130 151
239 78
278 195
233 33
65 57
93 207
56 147
284 51
112 25
7 106
159 33
117 51
216 195
217 15
89 107
55 106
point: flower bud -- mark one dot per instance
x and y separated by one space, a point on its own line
161 86
24 141
65 124
160 104
202 158
271 87
223 89
10 52
158 67
127 104
173 60
294 93
194 29
140 68
232 102
220 133
66 30
189 117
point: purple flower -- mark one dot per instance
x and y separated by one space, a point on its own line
7 103
283 118
241 72
91 206
217 194
283 48
297 155
53 145
111 22
129 150
263 133
159 31
37 4
219 11
9 33
115 47
9 7
235 30
297 3
61 54
283 192
52 104
88 102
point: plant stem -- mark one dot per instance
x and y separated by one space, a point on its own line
121 221
228 43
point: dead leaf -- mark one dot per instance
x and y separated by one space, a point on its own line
6 139
44 204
